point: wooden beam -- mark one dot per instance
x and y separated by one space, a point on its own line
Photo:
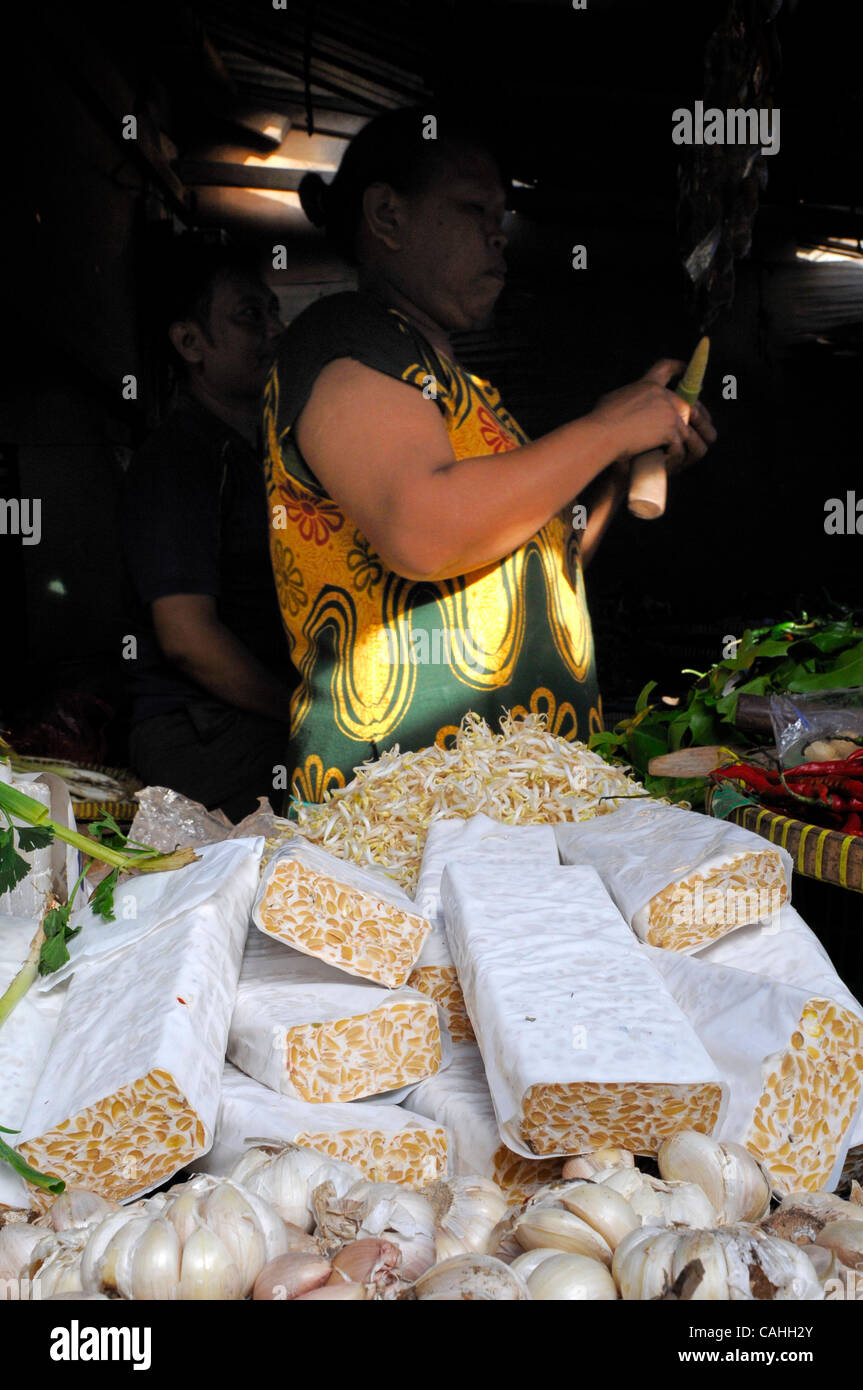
209 173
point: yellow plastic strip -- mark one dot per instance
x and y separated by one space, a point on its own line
843 859
804 835
819 852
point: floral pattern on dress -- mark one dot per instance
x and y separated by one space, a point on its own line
317 519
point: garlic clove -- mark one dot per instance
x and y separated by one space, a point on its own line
727 1173
525 1264
604 1210
183 1209
571 1277
155 1270
557 1226
447 1246
207 1270
588 1165
77 1206
709 1249
368 1261
345 1292
298 1242
115 1269
641 1266
226 1212
99 1240
470 1278
683 1204
289 1276
18 1240
846 1238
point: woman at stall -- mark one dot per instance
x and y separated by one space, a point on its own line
423 548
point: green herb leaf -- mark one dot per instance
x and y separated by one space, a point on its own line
56 921
33 837
22 1167
641 702
52 955
12 867
102 898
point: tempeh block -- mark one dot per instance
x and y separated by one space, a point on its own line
355 919
389 1143
130 1088
582 1042
680 878
311 1032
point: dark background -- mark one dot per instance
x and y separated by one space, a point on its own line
584 99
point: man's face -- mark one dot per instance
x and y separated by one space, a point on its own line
451 260
243 327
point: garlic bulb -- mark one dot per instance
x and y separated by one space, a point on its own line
466 1212
209 1239
599 1161
287 1175
732 1179
737 1262
383 1209
469 1278
659 1203
571 1277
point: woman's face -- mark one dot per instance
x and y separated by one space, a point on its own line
450 261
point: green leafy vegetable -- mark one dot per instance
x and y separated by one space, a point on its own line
795 656
12 867
22 1167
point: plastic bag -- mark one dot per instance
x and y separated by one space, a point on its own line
801 720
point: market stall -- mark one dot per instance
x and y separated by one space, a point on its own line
492 1022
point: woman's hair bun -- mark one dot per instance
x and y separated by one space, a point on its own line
313 199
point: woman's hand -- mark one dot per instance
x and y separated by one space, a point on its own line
645 415
700 434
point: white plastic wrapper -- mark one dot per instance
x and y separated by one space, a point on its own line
353 918
52 869
787 950
459 1098
792 1059
583 1044
130 1089
388 1142
149 903
476 839
384 1042
694 861
25 1039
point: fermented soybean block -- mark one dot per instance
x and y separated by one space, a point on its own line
582 1041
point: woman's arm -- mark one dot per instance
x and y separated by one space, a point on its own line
382 452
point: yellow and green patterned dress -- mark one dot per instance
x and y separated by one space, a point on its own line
384 660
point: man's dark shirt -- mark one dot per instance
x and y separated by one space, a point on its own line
196 523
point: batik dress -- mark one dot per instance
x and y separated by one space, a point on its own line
384 660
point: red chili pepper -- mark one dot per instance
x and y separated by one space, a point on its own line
759 779
853 825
